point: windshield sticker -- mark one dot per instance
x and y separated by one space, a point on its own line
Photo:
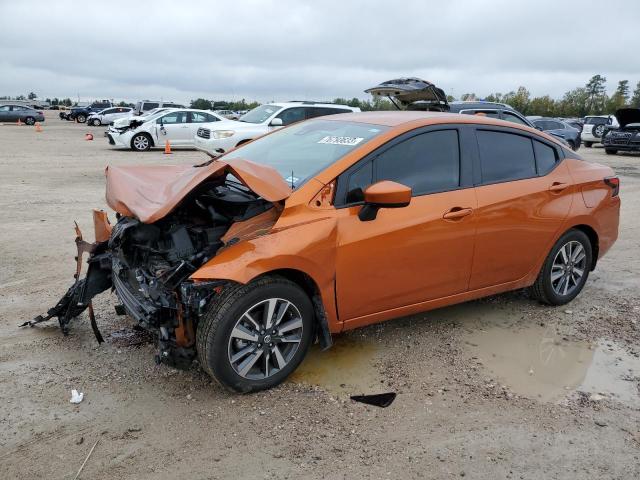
349 141
292 179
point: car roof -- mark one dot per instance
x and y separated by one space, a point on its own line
310 104
479 104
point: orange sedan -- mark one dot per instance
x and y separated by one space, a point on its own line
340 222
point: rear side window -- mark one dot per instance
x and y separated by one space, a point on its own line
320 111
505 156
510 117
546 157
429 162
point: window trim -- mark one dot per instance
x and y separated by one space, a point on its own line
466 137
515 131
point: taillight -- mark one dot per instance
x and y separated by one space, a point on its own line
614 184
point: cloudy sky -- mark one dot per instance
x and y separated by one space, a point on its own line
281 49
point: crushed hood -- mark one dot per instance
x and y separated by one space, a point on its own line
151 192
625 116
410 90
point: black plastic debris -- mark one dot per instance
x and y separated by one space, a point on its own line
382 400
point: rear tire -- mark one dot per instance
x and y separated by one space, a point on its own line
238 348
81 118
141 142
610 151
30 121
563 275
588 144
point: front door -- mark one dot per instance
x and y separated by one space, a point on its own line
174 127
412 254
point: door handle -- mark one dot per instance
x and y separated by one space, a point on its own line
457 213
558 187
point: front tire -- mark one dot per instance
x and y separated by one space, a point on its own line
565 270
588 144
572 145
81 118
141 142
96 122
610 151
253 336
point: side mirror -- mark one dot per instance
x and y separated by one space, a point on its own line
276 122
384 194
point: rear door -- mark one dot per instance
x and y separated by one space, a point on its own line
523 189
5 113
413 254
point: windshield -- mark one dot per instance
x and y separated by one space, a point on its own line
302 150
259 114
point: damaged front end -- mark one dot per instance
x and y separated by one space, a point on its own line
170 222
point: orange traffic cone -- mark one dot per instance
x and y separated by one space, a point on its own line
167 148
19 122
38 127
88 136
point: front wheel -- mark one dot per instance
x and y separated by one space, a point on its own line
610 151
81 118
141 142
588 144
565 269
96 122
255 335
572 144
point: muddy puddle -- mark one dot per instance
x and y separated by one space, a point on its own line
346 368
542 363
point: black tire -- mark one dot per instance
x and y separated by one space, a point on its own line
588 144
30 121
610 151
572 144
141 142
543 289
214 340
598 130
96 122
81 118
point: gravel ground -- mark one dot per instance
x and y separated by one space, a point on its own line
497 388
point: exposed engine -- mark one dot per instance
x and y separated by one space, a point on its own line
148 265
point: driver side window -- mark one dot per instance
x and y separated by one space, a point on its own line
292 115
172 118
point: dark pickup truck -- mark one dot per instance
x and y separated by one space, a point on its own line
81 113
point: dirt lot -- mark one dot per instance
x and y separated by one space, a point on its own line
498 388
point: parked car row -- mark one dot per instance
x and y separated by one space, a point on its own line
209 131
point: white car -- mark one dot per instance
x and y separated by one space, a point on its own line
218 138
108 115
178 125
594 127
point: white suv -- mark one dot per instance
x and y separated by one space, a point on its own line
594 127
218 138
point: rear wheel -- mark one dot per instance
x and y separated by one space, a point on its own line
565 269
81 118
610 151
141 142
30 121
255 335
588 144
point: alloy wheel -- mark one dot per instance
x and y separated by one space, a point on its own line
141 142
568 268
265 338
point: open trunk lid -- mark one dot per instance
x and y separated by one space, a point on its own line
625 116
151 192
412 93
